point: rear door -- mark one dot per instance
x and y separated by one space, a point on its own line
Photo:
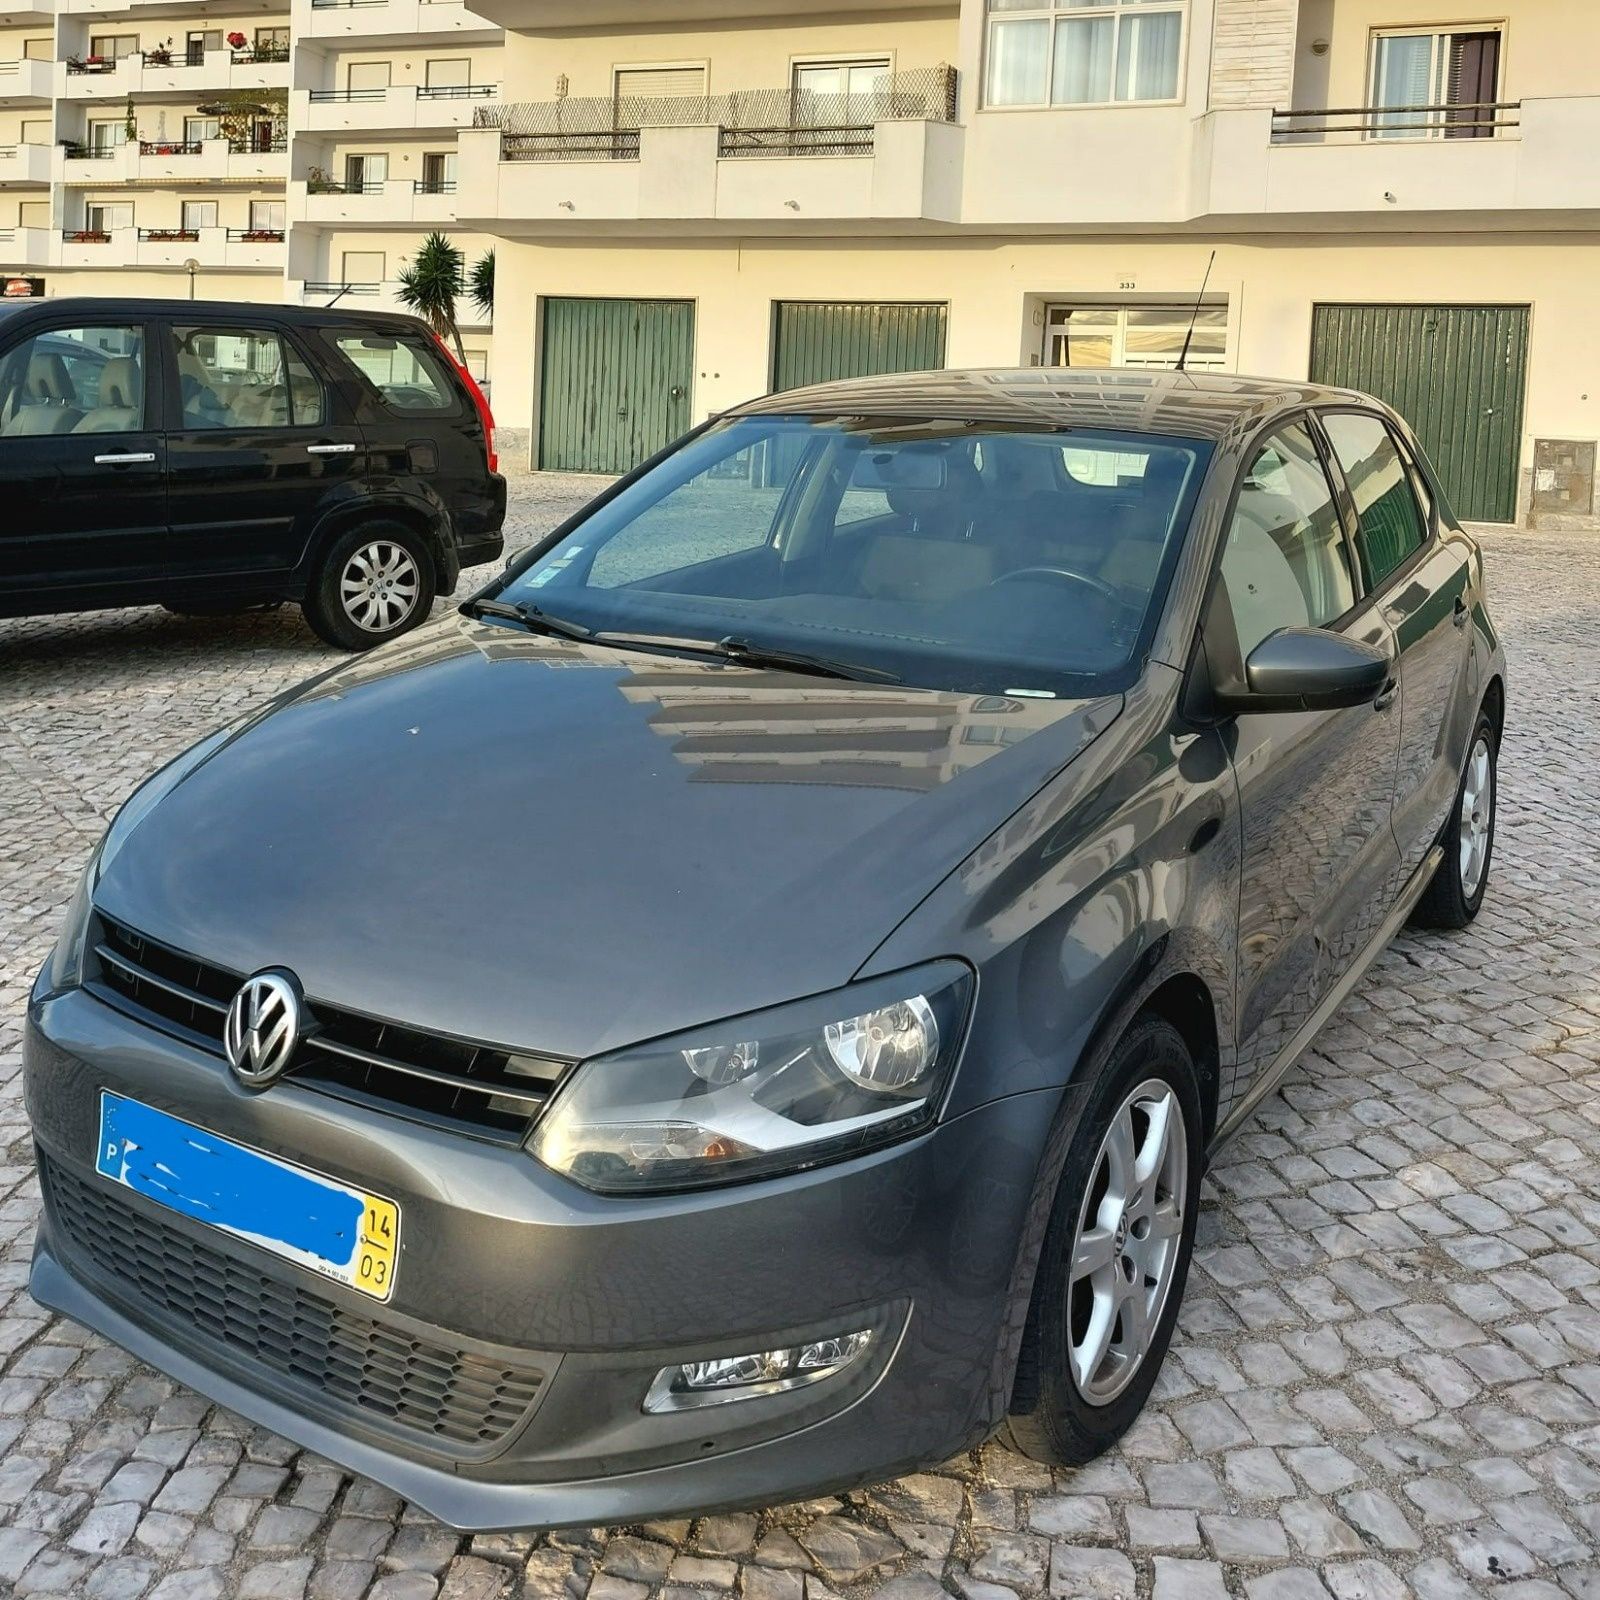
83 504
1421 584
259 442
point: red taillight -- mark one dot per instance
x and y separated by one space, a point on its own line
479 399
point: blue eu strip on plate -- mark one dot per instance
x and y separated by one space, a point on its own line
315 1221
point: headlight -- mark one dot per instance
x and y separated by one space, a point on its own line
66 962
776 1092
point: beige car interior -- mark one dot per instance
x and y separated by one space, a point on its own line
47 401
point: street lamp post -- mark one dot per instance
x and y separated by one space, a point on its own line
191 266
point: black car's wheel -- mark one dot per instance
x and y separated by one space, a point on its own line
1455 893
375 582
1116 1252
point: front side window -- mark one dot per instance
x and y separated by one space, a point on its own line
73 380
1082 52
1452 80
243 378
1389 524
943 554
1285 563
408 377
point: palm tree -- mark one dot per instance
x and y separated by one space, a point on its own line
429 286
481 284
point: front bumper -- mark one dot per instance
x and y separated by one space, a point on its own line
506 1269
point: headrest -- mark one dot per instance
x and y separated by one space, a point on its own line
120 383
48 379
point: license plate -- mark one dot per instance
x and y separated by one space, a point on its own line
343 1233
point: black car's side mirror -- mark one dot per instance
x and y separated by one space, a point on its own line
1309 669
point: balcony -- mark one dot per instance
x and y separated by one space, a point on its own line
176 162
178 77
400 108
27 80
789 158
1390 163
383 296
398 203
25 163
377 21
215 249
25 247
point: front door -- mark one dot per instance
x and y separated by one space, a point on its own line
615 382
1421 582
82 459
258 441
1319 867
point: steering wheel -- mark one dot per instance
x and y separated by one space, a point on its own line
1061 575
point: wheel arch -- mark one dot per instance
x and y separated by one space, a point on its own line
412 515
1494 702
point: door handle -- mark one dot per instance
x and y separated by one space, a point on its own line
330 449
1461 612
1386 695
126 458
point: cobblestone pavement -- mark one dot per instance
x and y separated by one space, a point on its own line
1387 1379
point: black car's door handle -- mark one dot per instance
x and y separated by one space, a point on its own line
1386 695
1461 613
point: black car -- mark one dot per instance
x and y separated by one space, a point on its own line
210 456
915 822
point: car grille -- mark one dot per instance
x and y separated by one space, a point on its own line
489 1093
351 1360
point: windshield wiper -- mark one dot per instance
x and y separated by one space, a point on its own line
742 653
529 616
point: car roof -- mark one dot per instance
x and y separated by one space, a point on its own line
153 306
1196 405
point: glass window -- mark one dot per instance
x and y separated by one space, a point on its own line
942 554
408 377
199 214
73 380
1390 526
1135 336
1082 52
243 378
1286 563
1452 79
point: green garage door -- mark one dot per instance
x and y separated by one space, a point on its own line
1455 373
615 380
816 341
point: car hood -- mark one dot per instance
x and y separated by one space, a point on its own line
561 847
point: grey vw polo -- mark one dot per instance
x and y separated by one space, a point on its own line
744 1008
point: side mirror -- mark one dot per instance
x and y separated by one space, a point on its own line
1309 669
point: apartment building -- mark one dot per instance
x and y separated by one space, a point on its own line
692 201
237 149
697 200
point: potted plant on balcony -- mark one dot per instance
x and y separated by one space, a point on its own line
237 41
320 181
172 235
89 236
159 55
262 236
242 114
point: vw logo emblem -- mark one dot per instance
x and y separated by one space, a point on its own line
263 1028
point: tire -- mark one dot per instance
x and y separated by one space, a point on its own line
375 582
1456 890
1060 1415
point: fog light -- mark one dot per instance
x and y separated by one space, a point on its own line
709 1383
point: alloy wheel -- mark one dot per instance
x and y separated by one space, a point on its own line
379 586
1129 1237
1477 817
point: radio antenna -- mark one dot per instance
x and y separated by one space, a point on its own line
1194 316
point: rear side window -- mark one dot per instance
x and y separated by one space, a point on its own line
1389 524
409 377
243 378
73 380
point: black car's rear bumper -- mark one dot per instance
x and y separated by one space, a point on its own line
563 1304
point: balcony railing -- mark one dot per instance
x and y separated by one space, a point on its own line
754 122
345 97
458 91
171 147
433 185
1479 120
85 236
333 186
169 235
343 288
261 55
255 235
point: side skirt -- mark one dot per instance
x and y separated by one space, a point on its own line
1335 997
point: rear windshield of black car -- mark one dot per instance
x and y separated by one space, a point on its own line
979 558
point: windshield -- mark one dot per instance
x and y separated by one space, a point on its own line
979 558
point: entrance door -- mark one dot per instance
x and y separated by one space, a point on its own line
615 381
817 341
1457 374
